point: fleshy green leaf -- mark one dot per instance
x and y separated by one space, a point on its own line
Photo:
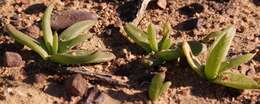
138 36
192 60
156 85
55 46
46 27
213 35
218 53
26 40
235 62
166 42
167 29
100 56
76 29
151 34
169 54
165 87
82 57
66 45
238 81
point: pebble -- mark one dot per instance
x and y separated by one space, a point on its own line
13 59
64 19
40 78
33 31
76 85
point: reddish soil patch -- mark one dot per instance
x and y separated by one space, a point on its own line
191 20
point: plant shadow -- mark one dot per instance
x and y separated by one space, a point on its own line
183 76
123 97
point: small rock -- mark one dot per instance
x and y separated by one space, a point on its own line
40 78
162 3
12 59
76 85
33 31
64 19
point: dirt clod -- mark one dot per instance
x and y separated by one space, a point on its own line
71 17
76 85
13 59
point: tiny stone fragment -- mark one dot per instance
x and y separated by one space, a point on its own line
33 31
12 59
76 85
64 19
40 78
162 3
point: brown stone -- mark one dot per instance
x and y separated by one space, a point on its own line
33 31
76 85
64 19
12 59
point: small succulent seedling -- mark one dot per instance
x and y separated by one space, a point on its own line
158 86
216 67
58 48
159 50
148 41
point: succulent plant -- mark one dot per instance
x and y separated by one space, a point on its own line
58 48
158 86
159 50
216 67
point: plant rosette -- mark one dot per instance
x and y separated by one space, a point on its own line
58 48
216 67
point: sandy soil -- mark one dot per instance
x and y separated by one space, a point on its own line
18 85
